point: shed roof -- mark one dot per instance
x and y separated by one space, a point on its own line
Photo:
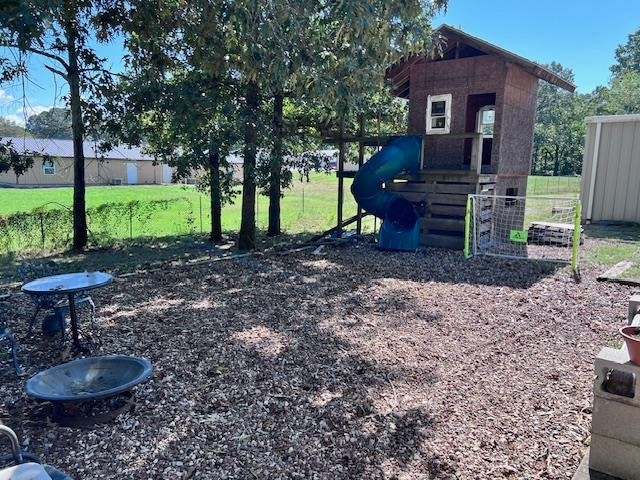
452 40
64 149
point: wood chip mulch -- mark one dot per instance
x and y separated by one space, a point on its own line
347 364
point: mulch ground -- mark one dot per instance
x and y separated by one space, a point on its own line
350 364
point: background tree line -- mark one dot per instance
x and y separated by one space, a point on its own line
207 77
560 128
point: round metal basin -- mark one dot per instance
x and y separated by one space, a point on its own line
89 378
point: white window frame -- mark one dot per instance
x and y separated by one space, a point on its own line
447 114
479 120
48 164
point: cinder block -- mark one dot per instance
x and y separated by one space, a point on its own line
615 458
616 359
615 419
634 310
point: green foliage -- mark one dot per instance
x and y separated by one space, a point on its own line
48 227
327 56
53 123
14 160
61 33
628 55
621 96
9 128
559 129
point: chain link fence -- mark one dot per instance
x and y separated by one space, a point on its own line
50 226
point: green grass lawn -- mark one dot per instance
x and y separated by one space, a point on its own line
538 185
621 244
306 207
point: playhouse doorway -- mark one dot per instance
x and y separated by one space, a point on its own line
480 118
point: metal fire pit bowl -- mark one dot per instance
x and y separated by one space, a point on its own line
89 378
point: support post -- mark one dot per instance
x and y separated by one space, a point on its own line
575 247
467 227
340 178
360 162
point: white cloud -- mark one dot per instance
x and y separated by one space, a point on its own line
33 110
19 119
22 114
5 98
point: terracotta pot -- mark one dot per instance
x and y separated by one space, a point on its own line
631 335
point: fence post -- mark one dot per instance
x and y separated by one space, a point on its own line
130 222
575 248
42 230
200 198
467 227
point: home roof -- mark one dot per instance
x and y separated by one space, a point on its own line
64 149
452 39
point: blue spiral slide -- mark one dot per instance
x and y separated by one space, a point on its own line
400 229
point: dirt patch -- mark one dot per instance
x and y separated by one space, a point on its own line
353 363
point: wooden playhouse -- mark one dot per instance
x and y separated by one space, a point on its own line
474 105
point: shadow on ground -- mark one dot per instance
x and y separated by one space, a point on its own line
249 383
626 231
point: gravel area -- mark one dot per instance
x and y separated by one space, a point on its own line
349 364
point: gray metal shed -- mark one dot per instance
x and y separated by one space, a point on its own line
610 188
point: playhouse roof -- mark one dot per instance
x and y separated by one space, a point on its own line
458 44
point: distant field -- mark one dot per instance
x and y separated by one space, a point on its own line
306 207
553 185
320 196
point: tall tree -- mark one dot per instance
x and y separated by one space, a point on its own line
9 128
59 33
337 66
273 50
189 122
559 129
620 97
628 55
53 123
180 99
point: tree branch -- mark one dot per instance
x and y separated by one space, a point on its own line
103 70
38 52
54 70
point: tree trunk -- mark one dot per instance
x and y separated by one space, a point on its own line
216 202
556 160
77 128
275 174
247 235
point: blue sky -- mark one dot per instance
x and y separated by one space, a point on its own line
580 34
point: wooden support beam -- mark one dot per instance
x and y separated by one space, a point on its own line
341 154
360 162
346 223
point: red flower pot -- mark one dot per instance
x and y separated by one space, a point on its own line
631 335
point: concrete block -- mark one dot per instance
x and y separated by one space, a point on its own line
634 309
616 359
585 473
615 458
615 419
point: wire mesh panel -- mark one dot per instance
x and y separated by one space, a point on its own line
544 228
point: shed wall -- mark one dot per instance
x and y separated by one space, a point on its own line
96 173
616 189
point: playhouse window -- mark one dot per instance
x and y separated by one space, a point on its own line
48 167
439 113
486 121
